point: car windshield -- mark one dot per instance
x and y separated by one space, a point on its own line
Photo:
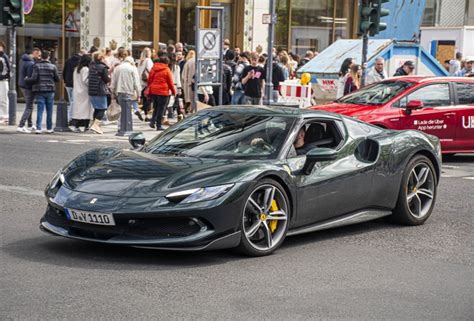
219 134
376 94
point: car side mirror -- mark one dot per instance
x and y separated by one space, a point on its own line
413 105
137 139
319 154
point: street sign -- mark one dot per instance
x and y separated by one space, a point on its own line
266 18
27 6
70 23
210 43
209 51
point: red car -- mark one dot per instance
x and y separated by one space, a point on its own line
441 106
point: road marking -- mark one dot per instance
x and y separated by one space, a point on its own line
469 178
21 190
450 166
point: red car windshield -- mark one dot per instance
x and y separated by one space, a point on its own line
376 94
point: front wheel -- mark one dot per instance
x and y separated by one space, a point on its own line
264 219
417 192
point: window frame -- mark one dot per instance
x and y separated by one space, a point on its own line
456 94
339 127
396 104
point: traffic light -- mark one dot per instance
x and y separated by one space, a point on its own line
12 13
370 12
379 13
365 13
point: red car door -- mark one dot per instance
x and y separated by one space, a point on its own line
437 115
465 116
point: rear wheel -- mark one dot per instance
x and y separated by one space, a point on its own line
264 219
417 192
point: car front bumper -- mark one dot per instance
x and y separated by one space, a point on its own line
206 226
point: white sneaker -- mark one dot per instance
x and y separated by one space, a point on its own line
23 130
38 131
50 131
32 128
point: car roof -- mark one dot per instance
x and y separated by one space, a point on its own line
428 79
282 111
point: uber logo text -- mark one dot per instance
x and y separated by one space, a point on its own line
468 123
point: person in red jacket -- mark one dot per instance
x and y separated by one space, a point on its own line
160 83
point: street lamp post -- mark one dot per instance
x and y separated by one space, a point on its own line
12 94
271 34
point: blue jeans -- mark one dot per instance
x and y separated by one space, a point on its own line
71 103
44 99
135 105
238 98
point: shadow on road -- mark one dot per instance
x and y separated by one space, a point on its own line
71 253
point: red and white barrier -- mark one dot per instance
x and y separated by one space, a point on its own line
293 92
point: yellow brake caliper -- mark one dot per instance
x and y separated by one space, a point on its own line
273 224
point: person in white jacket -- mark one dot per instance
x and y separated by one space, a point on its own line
377 73
82 112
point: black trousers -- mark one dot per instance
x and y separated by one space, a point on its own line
29 97
146 102
99 114
159 106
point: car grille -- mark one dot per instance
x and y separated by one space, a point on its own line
133 229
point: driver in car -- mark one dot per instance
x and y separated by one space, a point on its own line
301 147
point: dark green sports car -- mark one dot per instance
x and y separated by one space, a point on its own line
245 177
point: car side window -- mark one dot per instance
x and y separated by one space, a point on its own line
317 133
465 92
434 95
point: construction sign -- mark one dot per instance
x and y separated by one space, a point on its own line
70 23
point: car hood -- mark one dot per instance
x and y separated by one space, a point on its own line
346 109
129 173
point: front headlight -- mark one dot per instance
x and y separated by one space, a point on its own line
58 177
199 194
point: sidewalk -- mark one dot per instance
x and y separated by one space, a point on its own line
109 130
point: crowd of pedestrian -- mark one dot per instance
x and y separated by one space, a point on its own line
156 86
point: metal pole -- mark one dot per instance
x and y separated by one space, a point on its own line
197 74
271 33
365 45
12 95
220 76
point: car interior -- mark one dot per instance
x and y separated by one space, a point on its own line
320 134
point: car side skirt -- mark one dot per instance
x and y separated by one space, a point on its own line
353 218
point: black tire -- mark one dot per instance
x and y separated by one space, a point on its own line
246 247
407 205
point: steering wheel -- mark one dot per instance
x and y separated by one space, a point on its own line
259 143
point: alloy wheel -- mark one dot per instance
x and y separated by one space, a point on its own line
265 217
420 190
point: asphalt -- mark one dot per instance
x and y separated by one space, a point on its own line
369 271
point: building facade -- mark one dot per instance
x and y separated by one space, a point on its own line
65 26
448 27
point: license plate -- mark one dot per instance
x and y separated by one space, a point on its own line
89 217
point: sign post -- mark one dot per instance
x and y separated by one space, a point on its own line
209 52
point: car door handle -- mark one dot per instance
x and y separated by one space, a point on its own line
449 114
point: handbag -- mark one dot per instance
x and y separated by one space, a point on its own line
114 110
145 74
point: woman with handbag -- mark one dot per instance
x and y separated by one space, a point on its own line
98 90
83 110
173 102
144 67
160 83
